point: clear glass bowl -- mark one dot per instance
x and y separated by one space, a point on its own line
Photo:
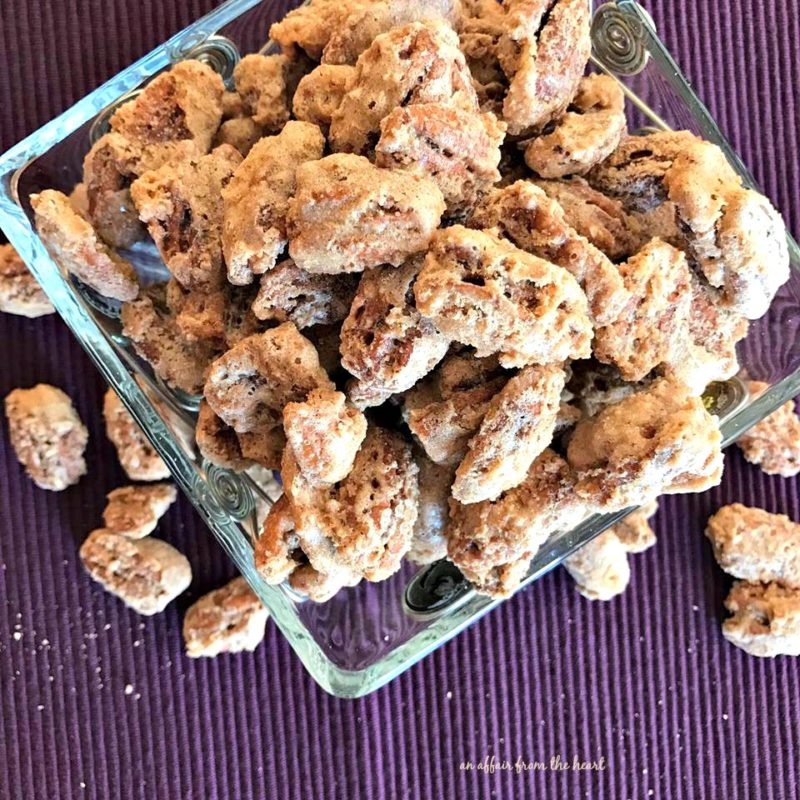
366 635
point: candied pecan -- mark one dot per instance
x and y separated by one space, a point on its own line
146 574
108 169
635 171
482 291
182 208
651 328
734 234
773 443
634 530
47 435
230 619
754 545
20 292
199 314
279 557
360 27
320 92
136 455
709 346
385 342
263 447
480 32
588 133
492 542
240 132
429 543
74 244
249 385
217 442
765 621
254 221
134 511
325 435
311 25
600 568
601 219
365 523
517 427
349 215
175 117
543 51
417 63
459 150
658 440
529 219
185 102
290 293
157 338
444 427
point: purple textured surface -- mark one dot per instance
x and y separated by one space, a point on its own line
96 702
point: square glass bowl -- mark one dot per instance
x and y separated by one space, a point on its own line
368 634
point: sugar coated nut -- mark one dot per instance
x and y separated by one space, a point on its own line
230 619
146 574
47 435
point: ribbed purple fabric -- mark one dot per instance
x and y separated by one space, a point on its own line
96 702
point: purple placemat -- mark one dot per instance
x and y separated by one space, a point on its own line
96 702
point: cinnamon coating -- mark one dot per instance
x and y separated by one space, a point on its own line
459 150
527 217
518 425
659 440
484 292
20 292
588 133
74 244
774 443
47 435
325 436
182 208
493 542
417 63
385 342
256 200
348 215
249 386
